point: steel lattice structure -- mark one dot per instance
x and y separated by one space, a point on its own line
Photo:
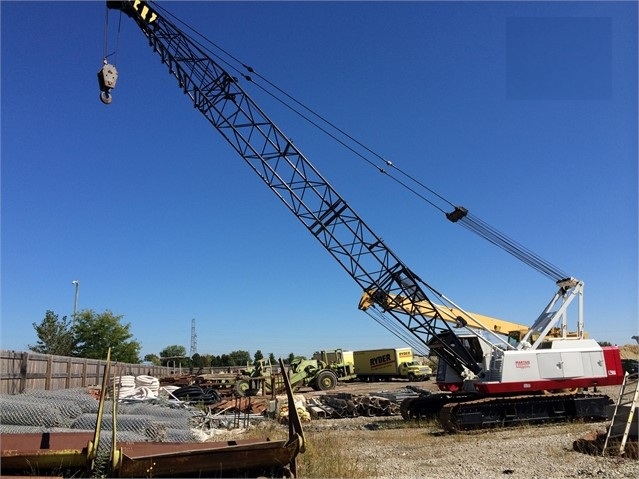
290 175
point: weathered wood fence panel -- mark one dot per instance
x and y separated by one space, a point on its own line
20 371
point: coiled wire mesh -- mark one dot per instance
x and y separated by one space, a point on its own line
155 420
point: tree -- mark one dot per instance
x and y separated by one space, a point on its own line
173 352
257 356
225 360
95 333
271 358
153 358
240 358
200 361
291 358
55 336
208 360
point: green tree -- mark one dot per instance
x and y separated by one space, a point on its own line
240 358
291 358
208 360
200 361
257 356
95 333
55 336
271 358
174 352
153 358
225 360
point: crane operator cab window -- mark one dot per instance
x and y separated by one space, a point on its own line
472 345
515 337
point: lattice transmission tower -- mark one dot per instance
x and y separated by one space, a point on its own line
193 339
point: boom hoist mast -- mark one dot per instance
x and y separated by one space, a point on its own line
488 368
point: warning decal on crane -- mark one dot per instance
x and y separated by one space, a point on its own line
146 13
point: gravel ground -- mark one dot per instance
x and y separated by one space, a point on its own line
525 452
426 451
394 448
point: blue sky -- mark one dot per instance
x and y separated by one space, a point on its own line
525 113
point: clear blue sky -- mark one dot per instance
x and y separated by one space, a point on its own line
525 113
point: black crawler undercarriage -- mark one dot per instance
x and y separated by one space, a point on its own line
467 411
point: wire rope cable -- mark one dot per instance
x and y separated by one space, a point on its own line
403 178
114 53
394 328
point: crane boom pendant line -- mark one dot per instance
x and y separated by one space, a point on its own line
217 95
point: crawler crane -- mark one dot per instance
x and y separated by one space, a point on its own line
486 379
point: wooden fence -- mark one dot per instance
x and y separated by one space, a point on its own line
20 371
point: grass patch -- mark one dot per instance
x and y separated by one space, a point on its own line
327 455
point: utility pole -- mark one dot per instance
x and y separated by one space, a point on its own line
75 302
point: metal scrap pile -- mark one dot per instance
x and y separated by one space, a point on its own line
194 395
248 405
343 405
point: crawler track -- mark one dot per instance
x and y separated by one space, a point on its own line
428 406
460 412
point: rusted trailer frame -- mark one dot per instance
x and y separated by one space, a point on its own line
38 453
61 452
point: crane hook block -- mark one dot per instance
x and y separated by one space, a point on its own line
107 76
